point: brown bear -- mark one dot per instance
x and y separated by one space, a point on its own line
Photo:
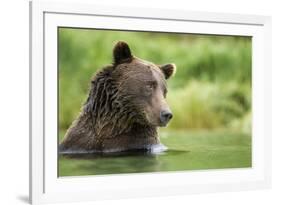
126 104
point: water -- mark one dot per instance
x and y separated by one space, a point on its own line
126 162
185 152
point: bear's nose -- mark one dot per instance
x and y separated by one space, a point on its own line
165 116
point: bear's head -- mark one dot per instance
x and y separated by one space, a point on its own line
142 87
126 102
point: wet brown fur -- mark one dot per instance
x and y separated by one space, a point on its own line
115 117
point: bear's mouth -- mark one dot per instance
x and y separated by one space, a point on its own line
158 123
163 124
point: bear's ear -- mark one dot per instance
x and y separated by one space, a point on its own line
121 52
168 70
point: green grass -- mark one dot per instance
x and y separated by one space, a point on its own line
187 151
206 105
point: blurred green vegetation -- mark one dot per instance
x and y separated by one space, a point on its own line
211 89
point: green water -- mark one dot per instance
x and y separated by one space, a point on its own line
186 151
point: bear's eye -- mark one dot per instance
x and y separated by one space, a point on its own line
149 87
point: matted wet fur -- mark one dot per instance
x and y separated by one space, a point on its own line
126 104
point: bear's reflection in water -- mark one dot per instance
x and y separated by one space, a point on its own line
135 161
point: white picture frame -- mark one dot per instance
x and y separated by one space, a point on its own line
46 187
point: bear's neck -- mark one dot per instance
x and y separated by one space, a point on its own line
135 136
118 137
143 130
113 127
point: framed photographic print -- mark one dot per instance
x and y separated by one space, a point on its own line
130 102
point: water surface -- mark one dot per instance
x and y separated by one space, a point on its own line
186 151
